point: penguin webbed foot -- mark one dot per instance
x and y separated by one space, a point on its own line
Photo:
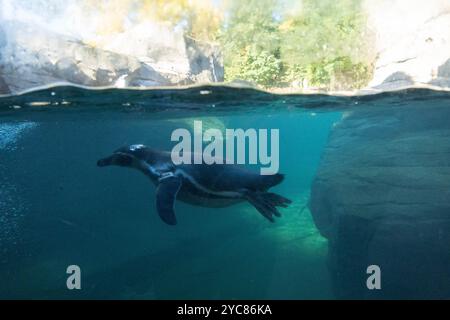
266 203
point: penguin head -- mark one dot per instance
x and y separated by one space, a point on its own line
124 157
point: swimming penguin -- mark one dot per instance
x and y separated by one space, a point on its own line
207 185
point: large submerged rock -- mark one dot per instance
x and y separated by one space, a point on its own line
382 196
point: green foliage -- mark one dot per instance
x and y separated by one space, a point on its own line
326 42
332 73
321 44
260 67
251 42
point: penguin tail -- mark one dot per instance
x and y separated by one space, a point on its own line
270 181
266 203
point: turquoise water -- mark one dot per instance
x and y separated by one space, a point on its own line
57 208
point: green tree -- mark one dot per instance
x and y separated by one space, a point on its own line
324 43
251 42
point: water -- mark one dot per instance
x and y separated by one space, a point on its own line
57 208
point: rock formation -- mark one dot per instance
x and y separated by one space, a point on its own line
412 42
32 57
4 89
382 196
382 192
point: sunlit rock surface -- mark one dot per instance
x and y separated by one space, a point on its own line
412 42
31 55
382 196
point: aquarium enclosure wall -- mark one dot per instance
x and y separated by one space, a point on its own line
225 149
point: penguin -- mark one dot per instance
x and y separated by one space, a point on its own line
206 185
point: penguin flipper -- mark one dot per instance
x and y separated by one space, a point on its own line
166 194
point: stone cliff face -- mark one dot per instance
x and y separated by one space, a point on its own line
382 196
412 42
31 57
4 89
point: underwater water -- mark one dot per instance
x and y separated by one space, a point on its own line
57 208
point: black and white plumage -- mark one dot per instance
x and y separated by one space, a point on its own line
207 185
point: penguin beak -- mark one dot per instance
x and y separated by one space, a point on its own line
116 159
105 161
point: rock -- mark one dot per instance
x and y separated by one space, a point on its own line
382 196
38 58
68 70
32 56
4 89
443 75
205 61
409 40
105 76
146 76
396 80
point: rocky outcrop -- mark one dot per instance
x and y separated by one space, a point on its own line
205 61
32 57
382 196
411 41
443 75
4 89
